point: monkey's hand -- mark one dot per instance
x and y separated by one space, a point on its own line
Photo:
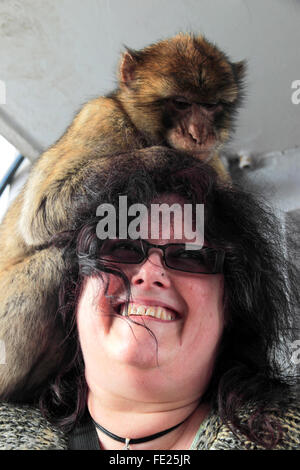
56 206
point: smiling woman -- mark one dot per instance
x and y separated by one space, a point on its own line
170 345
182 307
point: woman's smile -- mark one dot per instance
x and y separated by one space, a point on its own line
150 308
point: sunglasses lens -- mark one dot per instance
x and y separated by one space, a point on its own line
177 256
121 251
203 261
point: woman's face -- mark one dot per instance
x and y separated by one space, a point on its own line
171 360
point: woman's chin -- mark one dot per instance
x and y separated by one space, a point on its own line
142 342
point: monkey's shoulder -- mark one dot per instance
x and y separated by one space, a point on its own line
23 427
101 110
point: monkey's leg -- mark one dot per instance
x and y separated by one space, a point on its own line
29 327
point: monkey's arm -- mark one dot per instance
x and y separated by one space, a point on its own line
44 207
29 329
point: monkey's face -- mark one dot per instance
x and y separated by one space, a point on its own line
183 92
192 126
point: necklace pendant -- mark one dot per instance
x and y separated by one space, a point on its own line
127 447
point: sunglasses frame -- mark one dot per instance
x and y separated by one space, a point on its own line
146 246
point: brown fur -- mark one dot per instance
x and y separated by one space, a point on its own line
143 111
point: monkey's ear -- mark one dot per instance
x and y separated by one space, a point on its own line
240 69
128 67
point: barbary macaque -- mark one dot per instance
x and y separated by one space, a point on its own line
181 92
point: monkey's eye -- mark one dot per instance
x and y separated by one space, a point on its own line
180 103
210 105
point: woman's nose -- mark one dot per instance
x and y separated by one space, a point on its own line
152 273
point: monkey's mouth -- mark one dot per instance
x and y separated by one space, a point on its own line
182 139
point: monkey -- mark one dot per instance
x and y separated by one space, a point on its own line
181 92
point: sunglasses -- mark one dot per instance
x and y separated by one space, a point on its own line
200 260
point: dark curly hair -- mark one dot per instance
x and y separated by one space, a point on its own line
254 362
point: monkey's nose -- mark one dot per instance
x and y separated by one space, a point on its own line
195 133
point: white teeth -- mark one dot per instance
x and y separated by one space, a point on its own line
141 310
133 309
151 311
159 313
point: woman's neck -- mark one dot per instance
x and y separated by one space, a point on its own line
137 420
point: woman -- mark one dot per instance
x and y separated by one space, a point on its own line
170 344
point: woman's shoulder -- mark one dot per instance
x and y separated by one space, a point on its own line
22 427
214 434
288 419
284 419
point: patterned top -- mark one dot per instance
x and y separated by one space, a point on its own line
22 427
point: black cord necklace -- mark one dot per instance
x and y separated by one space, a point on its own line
127 440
